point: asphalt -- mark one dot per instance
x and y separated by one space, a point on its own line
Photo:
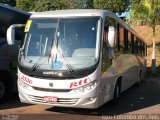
141 102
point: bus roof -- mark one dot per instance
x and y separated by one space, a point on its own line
71 12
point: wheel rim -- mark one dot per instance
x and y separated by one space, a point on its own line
2 88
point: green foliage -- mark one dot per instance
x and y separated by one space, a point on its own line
89 4
80 4
46 5
83 4
27 5
112 5
146 11
9 2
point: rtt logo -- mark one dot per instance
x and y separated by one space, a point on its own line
80 82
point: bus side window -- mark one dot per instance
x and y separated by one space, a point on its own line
129 42
106 62
105 34
110 23
107 50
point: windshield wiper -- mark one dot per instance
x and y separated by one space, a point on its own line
36 65
69 67
54 46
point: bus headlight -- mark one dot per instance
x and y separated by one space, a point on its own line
24 85
87 87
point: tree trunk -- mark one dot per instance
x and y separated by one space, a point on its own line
153 67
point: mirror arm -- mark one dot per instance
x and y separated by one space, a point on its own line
11 33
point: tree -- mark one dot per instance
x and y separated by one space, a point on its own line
9 2
148 12
49 5
45 5
112 5
80 4
27 5
89 4
83 4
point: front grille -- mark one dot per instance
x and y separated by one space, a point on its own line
51 90
67 101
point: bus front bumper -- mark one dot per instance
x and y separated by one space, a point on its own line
80 100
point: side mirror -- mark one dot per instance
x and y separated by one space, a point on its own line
11 33
111 36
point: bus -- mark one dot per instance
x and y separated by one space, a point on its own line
77 58
9 54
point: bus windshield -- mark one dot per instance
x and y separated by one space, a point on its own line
57 43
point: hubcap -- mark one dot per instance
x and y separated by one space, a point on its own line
1 89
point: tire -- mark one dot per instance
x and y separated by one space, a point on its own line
138 83
4 90
116 91
114 102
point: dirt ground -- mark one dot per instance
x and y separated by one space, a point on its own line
141 102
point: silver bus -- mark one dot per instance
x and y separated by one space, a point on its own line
77 58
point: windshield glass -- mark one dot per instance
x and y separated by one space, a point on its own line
58 43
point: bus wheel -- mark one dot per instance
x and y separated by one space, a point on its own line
4 91
116 94
139 79
116 91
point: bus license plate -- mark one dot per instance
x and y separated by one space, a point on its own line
50 99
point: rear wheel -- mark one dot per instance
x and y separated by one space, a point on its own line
116 91
139 79
116 94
